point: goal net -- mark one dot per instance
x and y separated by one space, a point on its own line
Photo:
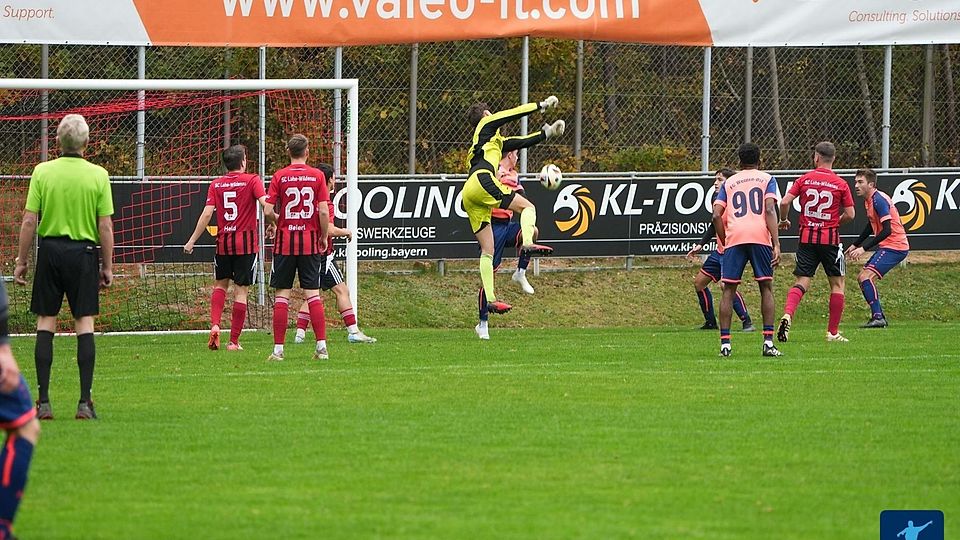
162 142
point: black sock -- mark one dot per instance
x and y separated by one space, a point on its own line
43 358
86 358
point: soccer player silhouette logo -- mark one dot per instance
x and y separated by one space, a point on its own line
910 532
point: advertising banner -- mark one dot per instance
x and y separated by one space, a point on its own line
733 23
595 217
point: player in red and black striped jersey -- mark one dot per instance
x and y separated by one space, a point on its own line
297 200
332 279
825 203
233 197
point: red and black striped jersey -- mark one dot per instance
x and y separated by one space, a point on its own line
297 191
823 195
235 197
330 240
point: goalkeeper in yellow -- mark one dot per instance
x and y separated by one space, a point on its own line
482 192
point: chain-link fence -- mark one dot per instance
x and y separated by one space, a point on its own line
641 105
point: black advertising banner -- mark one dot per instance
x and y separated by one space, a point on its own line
587 217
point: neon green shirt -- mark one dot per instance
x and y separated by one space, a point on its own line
70 193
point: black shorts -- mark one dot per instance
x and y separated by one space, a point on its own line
332 277
809 256
70 267
241 269
308 268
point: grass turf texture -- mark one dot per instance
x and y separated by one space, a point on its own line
592 433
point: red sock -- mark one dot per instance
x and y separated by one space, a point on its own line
236 323
317 317
303 320
217 300
836 312
793 299
280 307
349 319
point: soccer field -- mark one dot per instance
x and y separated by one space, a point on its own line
561 433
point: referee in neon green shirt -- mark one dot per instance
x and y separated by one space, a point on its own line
73 201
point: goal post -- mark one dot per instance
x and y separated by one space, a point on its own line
32 122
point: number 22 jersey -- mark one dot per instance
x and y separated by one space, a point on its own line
822 195
297 191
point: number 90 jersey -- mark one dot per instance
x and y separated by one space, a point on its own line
743 197
822 196
296 192
235 196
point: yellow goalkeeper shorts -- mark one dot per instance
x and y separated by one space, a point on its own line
482 192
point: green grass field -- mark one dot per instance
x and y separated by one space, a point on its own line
555 433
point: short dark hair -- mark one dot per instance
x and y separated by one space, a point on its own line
827 151
327 171
233 157
297 146
475 113
868 174
749 154
725 172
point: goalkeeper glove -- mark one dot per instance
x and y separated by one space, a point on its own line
555 129
549 102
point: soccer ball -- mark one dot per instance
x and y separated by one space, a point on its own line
550 176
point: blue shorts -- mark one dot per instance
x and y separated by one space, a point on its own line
713 266
16 408
735 260
505 234
884 260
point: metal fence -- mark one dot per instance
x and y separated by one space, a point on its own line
628 107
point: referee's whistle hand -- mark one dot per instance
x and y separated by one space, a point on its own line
106 278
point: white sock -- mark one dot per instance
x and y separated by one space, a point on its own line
483 325
768 342
301 332
521 271
353 329
321 344
278 349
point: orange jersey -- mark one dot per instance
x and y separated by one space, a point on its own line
880 208
742 197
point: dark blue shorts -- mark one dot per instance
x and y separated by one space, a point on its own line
735 260
16 408
884 260
713 266
505 234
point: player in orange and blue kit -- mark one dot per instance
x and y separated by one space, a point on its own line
506 233
745 217
710 271
18 418
889 238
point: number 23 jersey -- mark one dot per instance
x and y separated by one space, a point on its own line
297 191
743 197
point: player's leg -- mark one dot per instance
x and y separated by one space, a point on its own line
282 274
528 222
806 267
876 268
46 300
310 268
349 316
22 435
709 272
82 289
482 329
303 321
222 273
523 260
835 268
477 202
239 316
734 261
740 308
761 260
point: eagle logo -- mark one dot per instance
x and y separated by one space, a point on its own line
575 198
913 194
